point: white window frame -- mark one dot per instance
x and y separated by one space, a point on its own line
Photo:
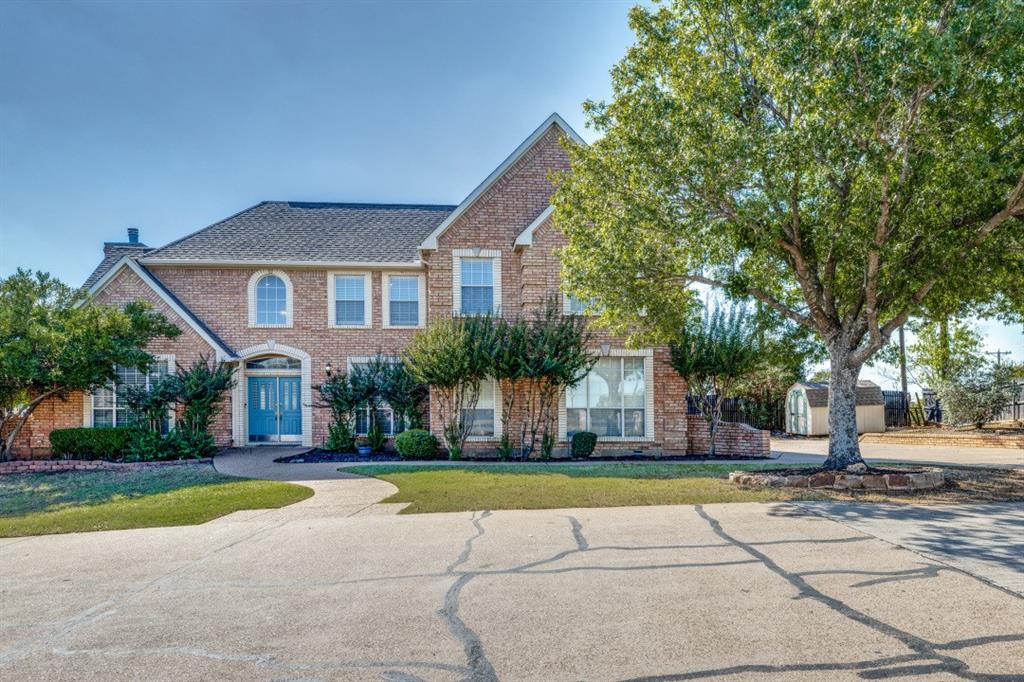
253 281
364 360
385 300
88 407
567 307
496 436
457 256
648 355
332 310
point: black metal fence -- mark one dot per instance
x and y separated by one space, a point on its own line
760 415
906 409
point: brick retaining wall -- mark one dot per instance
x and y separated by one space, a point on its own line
936 437
734 439
40 466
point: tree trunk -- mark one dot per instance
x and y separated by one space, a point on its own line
843 448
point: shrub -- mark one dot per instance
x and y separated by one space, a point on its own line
86 443
977 399
582 444
340 437
416 444
375 437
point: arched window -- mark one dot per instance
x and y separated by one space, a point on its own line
270 300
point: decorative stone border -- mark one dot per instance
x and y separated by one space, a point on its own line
50 466
928 479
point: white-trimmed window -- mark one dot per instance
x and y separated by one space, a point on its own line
350 300
108 405
270 299
476 282
486 422
404 303
613 401
385 415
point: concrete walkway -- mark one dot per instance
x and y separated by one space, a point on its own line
336 494
816 449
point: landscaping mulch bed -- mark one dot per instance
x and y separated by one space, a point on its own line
321 456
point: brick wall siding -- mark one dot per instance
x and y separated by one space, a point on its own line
219 296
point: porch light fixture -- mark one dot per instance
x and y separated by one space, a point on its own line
606 348
328 369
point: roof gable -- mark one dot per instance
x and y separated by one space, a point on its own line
430 243
223 351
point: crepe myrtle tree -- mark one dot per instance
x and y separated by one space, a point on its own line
452 357
847 164
712 354
52 344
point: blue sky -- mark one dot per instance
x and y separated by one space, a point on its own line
171 116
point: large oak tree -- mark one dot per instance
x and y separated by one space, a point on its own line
847 164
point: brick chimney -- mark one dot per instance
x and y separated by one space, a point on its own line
131 247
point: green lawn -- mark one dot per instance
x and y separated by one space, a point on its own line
36 504
433 488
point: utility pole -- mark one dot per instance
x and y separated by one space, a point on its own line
903 362
999 355
903 379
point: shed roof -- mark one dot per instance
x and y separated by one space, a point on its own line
868 393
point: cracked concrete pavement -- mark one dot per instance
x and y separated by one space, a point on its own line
738 592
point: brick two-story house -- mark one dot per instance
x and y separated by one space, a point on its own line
286 291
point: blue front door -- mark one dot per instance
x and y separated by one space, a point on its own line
291 408
275 413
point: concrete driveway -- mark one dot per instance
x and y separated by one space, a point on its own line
814 450
737 592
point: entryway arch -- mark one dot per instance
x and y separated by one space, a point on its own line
272 380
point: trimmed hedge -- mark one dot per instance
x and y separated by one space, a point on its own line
582 444
416 444
86 443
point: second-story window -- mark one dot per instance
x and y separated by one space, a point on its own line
350 301
270 299
403 301
477 286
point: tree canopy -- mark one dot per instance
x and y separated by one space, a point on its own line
846 164
52 344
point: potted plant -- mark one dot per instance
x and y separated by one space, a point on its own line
363 446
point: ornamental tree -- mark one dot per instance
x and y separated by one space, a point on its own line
52 344
712 354
846 164
452 356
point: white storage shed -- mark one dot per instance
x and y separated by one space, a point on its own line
807 408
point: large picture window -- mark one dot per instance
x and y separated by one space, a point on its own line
611 401
110 402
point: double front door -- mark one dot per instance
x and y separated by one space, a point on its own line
275 411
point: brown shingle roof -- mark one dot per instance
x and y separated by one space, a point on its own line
311 232
868 393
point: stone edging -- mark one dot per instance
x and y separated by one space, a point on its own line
39 466
928 479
